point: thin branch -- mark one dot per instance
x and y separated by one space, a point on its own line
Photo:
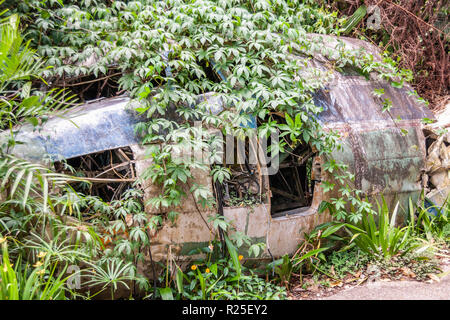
90 81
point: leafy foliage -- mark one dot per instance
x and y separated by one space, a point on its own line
166 55
218 278
379 238
429 221
340 263
169 53
23 282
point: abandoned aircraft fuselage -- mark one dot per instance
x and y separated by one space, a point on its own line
385 151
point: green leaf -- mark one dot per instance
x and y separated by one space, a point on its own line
213 269
27 188
166 293
332 229
179 281
234 256
356 18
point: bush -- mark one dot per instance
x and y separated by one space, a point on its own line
376 237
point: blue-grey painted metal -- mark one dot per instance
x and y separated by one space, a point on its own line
90 128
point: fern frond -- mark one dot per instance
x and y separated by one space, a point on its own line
21 178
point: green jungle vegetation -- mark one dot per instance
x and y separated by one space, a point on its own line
57 54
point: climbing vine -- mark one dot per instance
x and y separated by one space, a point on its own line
168 53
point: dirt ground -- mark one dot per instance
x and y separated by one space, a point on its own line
437 287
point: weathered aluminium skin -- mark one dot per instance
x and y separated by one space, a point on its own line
385 151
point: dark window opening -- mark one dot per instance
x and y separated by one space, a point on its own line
210 72
91 87
292 187
109 172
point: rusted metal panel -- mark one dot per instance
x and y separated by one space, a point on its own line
384 160
251 221
350 99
